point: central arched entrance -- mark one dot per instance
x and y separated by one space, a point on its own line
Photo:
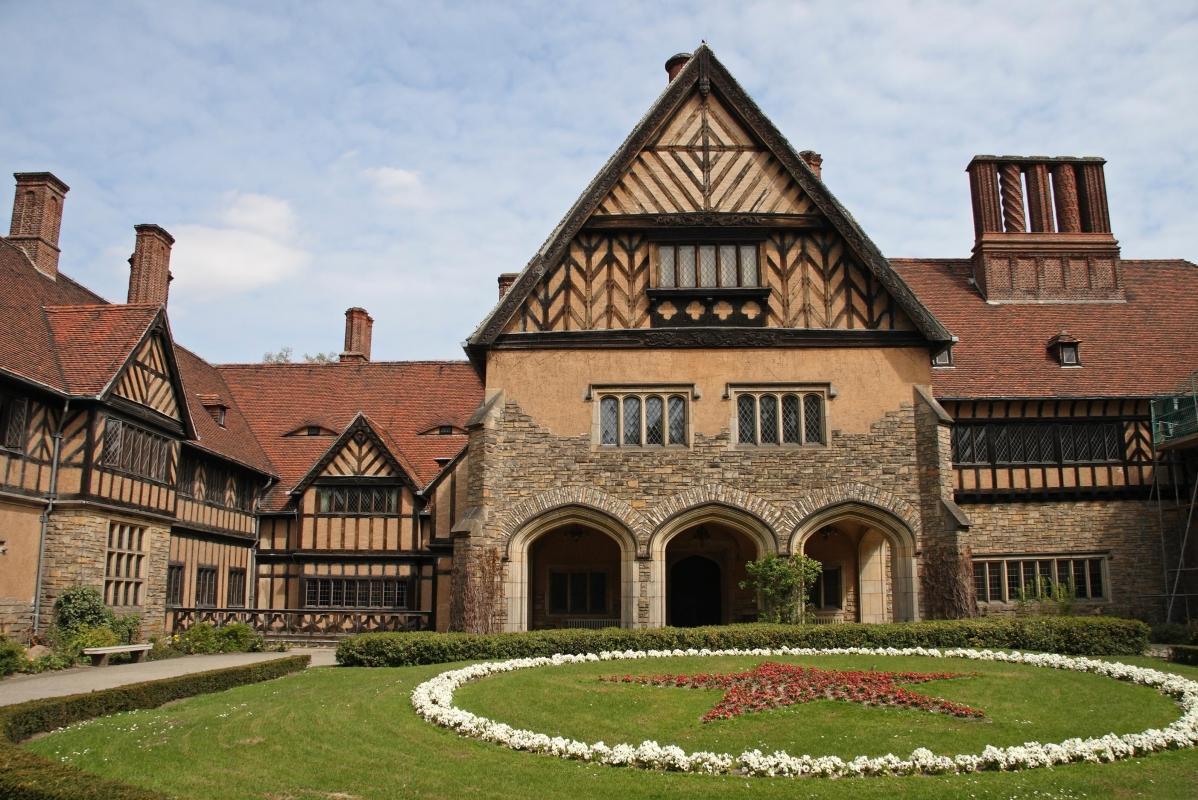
693 600
698 562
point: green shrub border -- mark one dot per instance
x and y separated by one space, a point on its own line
1184 654
1067 635
25 775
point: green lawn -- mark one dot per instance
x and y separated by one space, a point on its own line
339 734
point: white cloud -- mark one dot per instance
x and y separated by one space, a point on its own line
399 187
253 248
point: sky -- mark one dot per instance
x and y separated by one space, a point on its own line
312 156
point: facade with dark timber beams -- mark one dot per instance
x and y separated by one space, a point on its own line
707 361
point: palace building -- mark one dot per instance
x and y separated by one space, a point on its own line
707 361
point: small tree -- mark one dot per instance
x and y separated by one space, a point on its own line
782 584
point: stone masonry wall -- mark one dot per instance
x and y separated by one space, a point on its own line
522 467
76 548
1127 530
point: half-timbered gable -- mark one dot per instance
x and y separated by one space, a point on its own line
706 218
149 380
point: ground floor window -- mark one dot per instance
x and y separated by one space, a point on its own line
356 592
1011 580
174 584
206 587
124 566
236 590
826 593
577 592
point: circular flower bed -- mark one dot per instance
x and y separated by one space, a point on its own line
433 700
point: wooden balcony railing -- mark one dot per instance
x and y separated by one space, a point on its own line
303 623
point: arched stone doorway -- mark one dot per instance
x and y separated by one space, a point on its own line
868 557
697 561
570 568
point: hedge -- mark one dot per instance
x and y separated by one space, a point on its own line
1184 654
24 775
1069 635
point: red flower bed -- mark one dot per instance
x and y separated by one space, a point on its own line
772 685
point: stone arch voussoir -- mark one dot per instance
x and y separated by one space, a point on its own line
847 494
585 497
717 494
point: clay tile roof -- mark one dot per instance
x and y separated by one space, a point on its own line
400 399
93 342
1144 347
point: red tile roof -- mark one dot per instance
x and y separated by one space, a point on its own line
400 399
1140 348
93 342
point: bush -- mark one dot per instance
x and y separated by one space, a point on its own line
1069 635
48 662
127 628
198 639
12 656
81 607
1184 654
25 775
237 637
89 637
1170 633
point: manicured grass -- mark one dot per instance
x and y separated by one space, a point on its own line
351 733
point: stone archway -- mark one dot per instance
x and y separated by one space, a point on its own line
577 524
875 551
725 535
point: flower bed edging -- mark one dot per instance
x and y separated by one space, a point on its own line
433 701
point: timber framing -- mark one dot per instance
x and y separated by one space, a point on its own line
705 337
707 74
360 425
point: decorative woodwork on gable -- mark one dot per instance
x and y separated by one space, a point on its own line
704 160
147 380
361 457
814 281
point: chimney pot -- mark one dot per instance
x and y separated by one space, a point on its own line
506 279
675 63
37 218
815 161
150 265
358 326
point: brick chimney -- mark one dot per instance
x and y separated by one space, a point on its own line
1042 230
37 217
150 266
813 160
506 279
675 63
357 335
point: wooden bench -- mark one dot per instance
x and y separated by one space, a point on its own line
100 654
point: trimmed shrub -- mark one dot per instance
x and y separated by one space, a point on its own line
1068 635
237 637
12 656
81 607
25 775
1184 654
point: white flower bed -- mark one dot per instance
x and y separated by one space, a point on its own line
433 700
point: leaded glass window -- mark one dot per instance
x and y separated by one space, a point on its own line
632 421
340 592
1037 442
707 265
358 501
654 420
768 404
609 420
642 419
767 418
790 419
813 419
677 410
1012 580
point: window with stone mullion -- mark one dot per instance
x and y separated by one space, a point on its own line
642 420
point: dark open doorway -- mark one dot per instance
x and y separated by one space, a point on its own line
695 594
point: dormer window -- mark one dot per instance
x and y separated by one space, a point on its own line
215 407
686 266
1065 348
311 429
943 358
443 429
